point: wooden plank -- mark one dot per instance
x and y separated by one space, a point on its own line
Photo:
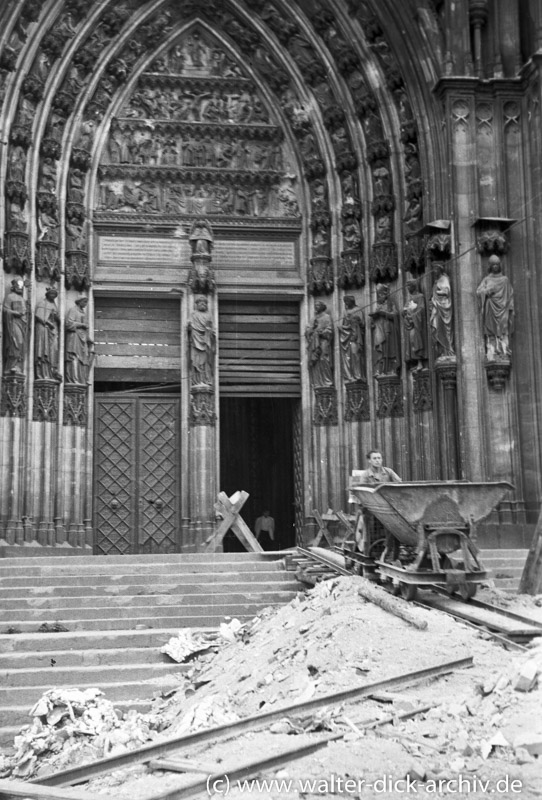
142 313
134 337
254 364
293 330
270 390
135 362
242 307
167 326
240 336
118 349
154 376
531 578
259 345
258 319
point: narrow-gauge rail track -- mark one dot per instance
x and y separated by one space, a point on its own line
504 625
174 755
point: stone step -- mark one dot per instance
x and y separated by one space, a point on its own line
187 596
146 577
207 615
88 640
94 567
128 690
183 583
88 675
57 660
169 558
156 606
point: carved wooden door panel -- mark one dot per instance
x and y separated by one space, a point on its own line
137 461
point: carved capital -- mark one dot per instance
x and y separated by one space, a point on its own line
351 270
202 406
320 275
13 401
75 405
77 270
383 261
47 261
390 396
422 398
498 372
45 400
325 408
17 253
357 402
446 369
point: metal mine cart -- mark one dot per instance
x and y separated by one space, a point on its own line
415 534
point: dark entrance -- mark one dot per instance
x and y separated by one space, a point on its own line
136 474
257 455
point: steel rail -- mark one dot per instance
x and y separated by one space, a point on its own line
500 637
144 754
250 769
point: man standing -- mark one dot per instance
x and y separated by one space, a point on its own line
369 529
265 530
46 337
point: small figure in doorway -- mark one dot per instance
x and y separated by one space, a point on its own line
264 530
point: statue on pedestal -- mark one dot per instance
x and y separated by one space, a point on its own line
46 332
441 314
319 337
202 340
14 329
386 333
77 356
352 341
415 328
497 308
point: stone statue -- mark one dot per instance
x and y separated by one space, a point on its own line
77 356
352 341
319 336
46 332
414 320
201 237
386 333
497 306
15 329
441 314
202 340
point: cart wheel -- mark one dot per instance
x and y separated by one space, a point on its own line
409 590
467 591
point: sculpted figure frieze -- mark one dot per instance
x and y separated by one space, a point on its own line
202 341
414 321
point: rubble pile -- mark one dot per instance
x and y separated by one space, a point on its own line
72 727
326 640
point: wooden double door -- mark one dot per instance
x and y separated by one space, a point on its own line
137 474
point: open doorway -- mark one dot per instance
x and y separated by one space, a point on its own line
257 455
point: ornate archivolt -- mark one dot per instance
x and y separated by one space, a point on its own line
108 114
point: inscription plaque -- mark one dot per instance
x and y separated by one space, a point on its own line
228 254
142 250
241 254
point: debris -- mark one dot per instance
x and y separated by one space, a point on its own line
527 678
186 645
55 627
231 631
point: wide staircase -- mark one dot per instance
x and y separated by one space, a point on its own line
506 567
118 612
